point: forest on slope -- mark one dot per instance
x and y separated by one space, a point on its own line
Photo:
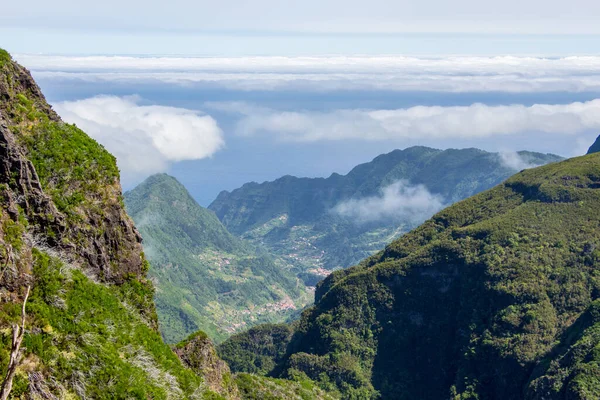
320 225
495 297
206 278
209 279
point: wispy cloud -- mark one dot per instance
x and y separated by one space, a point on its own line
144 138
398 201
516 161
397 73
421 122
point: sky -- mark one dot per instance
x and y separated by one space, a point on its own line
222 93
274 27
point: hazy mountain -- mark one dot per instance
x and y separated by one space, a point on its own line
595 148
205 277
323 224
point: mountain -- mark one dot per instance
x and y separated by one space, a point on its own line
90 327
206 279
77 317
595 148
320 225
495 297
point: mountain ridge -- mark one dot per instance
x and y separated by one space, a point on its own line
494 297
301 219
206 278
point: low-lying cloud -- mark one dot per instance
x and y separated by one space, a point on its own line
454 74
516 161
399 201
146 139
420 122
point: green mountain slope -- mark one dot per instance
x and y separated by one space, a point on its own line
323 224
90 326
494 297
205 277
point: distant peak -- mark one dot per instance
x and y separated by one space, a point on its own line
595 148
160 178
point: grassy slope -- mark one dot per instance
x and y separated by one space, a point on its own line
492 298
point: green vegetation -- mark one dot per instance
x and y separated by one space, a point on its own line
257 350
493 298
206 278
255 387
83 335
4 57
71 166
292 217
571 369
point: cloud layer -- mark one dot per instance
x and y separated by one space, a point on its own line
398 201
144 138
397 73
420 122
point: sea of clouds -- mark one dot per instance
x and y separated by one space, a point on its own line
401 73
149 136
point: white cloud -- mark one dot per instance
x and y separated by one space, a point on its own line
144 138
397 73
516 161
398 201
420 122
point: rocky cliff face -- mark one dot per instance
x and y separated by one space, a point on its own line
65 184
90 324
90 327
199 354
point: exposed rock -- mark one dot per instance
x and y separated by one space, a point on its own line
199 354
98 235
18 173
17 80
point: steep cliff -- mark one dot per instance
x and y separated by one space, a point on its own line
90 322
72 260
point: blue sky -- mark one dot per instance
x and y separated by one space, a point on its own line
222 93
274 27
